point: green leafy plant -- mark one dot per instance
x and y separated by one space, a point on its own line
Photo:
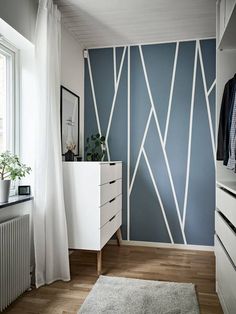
95 148
11 168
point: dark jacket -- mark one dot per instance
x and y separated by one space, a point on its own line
225 121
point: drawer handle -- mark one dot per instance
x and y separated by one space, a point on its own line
111 182
227 192
112 218
112 163
112 200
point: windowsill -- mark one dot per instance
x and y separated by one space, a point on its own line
16 199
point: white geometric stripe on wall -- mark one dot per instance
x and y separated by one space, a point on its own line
153 114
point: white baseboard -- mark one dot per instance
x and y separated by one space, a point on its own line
165 245
222 302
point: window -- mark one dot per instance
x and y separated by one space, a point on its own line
7 98
9 102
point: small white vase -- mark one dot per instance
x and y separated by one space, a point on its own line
4 190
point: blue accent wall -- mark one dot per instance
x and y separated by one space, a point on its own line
170 196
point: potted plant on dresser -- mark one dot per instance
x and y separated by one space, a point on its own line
95 148
10 169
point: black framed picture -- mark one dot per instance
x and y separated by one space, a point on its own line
70 105
24 190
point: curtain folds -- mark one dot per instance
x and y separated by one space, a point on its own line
50 231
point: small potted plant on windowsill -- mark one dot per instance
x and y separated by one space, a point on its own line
10 169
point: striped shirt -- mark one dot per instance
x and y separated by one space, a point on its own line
232 138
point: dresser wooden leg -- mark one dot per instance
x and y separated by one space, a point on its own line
99 263
118 237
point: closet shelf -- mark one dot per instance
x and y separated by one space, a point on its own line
228 38
228 185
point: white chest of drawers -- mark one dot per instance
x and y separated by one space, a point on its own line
225 247
93 200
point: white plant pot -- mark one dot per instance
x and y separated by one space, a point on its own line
4 190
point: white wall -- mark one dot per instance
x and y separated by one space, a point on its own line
21 15
72 72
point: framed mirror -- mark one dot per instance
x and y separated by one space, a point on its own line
70 105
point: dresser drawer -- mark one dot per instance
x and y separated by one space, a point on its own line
225 278
226 203
226 235
110 190
110 172
108 210
110 228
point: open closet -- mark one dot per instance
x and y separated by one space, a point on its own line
225 216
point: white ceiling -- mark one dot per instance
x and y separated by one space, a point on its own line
99 23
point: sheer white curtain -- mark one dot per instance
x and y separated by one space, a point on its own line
50 232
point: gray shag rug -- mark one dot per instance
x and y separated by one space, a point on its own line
114 295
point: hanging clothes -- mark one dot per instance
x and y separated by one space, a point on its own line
225 121
232 138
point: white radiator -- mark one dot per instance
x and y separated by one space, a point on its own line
14 259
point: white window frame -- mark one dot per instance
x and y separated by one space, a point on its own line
13 101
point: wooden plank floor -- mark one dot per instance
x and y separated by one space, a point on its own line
126 261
